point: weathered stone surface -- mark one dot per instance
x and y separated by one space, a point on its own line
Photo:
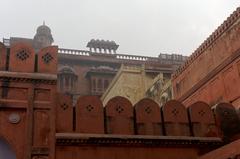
211 73
148 117
64 112
89 115
47 60
202 120
227 120
3 57
175 119
22 58
119 116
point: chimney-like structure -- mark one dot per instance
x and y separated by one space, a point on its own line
102 46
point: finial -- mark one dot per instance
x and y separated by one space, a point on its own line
44 22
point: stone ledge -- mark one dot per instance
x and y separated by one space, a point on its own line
135 140
27 77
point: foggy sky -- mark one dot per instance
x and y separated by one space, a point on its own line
142 27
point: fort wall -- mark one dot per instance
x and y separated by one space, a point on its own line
27 100
220 50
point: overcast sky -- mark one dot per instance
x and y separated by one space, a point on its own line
142 27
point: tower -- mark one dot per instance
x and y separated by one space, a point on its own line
43 37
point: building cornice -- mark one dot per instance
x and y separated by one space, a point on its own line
65 139
28 77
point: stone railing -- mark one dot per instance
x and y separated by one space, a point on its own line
73 52
161 60
117 56
132 57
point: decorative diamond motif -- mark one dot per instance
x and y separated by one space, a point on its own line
175 112
148 110
47 58
64 106
201 112
89 108
119 109
22 55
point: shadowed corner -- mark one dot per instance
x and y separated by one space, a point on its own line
6 152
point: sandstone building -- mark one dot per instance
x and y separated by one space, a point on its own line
89 72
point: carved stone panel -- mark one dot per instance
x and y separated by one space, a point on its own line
22 58
89 115
227 119
119 116
41 128
202 120
47 60
148 117
64 111
175 119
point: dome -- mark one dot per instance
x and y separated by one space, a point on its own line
44 30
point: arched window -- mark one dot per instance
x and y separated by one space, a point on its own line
67 79
106 83
5 150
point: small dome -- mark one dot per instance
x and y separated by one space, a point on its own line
43 29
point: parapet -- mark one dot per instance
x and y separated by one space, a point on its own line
120 117
21 57
102 46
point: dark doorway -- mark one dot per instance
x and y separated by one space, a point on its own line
6 151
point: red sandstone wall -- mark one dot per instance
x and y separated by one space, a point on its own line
145 118
145 130
229 151
27 100
63 152
221 45
223 86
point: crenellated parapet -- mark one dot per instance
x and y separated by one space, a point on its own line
119 125
146 117
21 57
